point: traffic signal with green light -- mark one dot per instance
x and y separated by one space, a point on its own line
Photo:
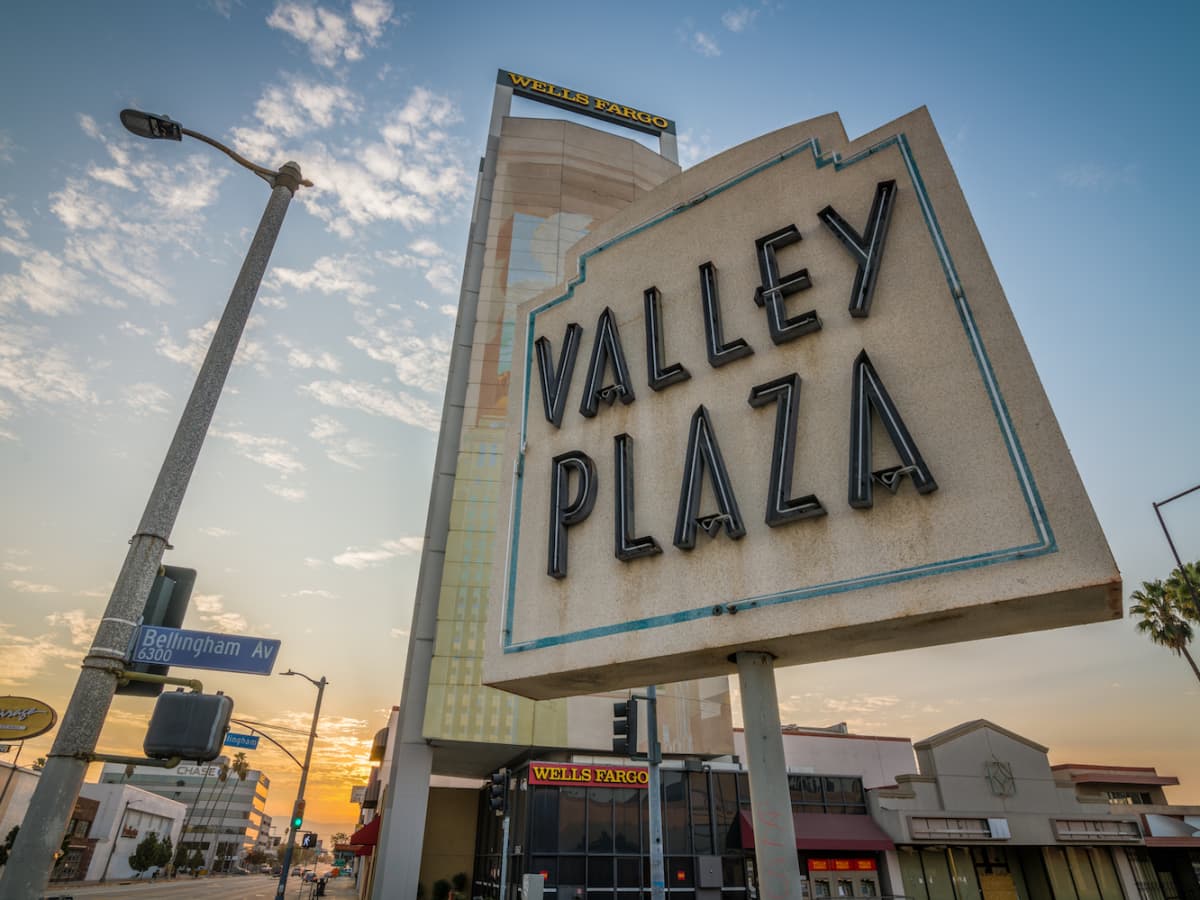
298 815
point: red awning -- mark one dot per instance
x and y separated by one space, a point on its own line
825 831
366 837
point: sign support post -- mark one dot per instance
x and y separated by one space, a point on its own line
770 799
658 873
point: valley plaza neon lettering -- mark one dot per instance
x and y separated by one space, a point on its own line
569 773
585 103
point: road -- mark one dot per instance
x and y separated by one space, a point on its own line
249 887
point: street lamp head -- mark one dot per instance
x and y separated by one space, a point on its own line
146 125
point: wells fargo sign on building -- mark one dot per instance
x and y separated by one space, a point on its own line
588 775
585 104
22 718
784 406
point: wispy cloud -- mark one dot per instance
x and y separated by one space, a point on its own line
29 587
81 626
337 276
36 371
704 44
319 593
287 492
367 557
216 531
215 617
1098 176
23 658
419 361
739 19
145 399
441 274
339 445
411 173
375 401
694 148
299 358
330 36
191 352
273 452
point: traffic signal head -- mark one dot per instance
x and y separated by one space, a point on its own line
498 792
188 725
310 840
298 815
625 736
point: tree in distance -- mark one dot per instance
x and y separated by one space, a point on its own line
1167 609
146 854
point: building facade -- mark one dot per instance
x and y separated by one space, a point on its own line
125 815
224 811
973 813
543 184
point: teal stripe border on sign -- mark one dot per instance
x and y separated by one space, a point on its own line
1044 544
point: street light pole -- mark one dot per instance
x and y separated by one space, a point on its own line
312 736
1183 573
58 787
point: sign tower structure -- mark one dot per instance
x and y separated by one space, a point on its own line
544 183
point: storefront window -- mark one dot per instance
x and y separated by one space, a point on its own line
629 872
626 830
600 821
599 872
725 811
544 820
702 837
677 836
572 819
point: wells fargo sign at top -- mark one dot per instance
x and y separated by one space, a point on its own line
784 407
585 104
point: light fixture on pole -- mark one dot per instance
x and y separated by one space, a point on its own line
75 744
297 819
1183 573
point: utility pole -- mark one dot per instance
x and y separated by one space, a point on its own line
281 889
75 744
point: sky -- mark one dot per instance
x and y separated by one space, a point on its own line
1068 125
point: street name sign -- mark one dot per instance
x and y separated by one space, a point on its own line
245 741
204 650
782 406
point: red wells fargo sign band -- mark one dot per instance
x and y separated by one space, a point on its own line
588 775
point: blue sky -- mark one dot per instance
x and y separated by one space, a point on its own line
1070 127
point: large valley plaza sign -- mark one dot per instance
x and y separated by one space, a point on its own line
783 407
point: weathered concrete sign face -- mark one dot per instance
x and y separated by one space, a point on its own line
783 406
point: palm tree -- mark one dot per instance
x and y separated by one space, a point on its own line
1164 616
240 767
1185 585
214 797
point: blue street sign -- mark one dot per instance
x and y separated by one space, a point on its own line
204 650
245 741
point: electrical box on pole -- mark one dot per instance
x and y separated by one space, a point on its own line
625 728
165 606
498 792
188 725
